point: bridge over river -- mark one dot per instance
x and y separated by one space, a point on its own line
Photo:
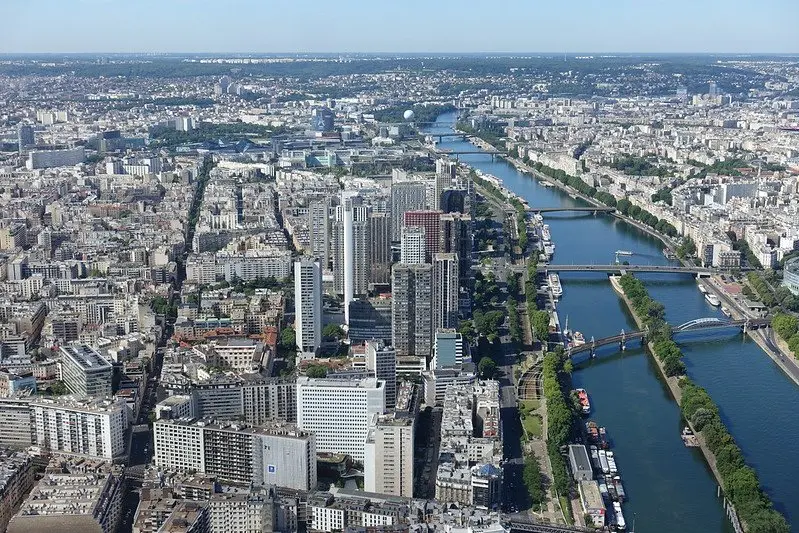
700 324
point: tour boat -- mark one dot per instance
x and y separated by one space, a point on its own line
712 299
555 286
545 233
726 311
585 403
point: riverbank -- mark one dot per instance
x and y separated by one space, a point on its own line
777 350
673 384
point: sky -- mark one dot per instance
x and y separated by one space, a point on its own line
274 26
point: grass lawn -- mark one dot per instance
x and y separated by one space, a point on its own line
567 510
532 424
530 404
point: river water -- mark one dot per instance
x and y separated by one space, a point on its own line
670 488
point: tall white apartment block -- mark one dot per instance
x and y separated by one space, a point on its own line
388 462
84 426
319 226
382 360
413 245
308 304
338 412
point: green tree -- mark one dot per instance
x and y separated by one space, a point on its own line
333 331
58 388
487 368
316 371
288 339
786 326
533 480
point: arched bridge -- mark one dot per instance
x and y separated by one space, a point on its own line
699 324
596 209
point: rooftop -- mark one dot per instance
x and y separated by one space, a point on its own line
85 356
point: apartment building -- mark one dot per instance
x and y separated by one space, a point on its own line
85 372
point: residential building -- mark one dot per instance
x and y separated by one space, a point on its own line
379 248
405 196
16 420
455 237
388 462
411 309
445 291
308 304
413 245
17 476
79 495
370 318
338 412
431 222
319 231
82 426
276 453
382 360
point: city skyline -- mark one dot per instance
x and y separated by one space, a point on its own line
245 26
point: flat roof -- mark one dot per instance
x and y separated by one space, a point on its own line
85 356
579 455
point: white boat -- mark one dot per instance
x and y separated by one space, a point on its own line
538 217
621 525
726 311
546 235
603 461
549 250
555 286
578 339
712 299
702 289
612 463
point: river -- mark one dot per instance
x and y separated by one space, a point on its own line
670 487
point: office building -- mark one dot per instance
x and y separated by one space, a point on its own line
431 222
388 465
308 304
445 291
16 382
81 426
379 248
455 237
405 196
25 137
412 309
448 349
17 476
382 360
84 371
80 496
319 231
16 419
55 158
413 245
322 119
338 412
274 454
370 318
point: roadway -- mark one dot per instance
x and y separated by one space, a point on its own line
611 269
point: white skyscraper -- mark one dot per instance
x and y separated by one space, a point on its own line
413 245
351 254
382 360
338 412
308 304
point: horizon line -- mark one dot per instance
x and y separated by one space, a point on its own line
397 53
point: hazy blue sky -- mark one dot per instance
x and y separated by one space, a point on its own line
399 25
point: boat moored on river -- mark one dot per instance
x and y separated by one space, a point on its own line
712 299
